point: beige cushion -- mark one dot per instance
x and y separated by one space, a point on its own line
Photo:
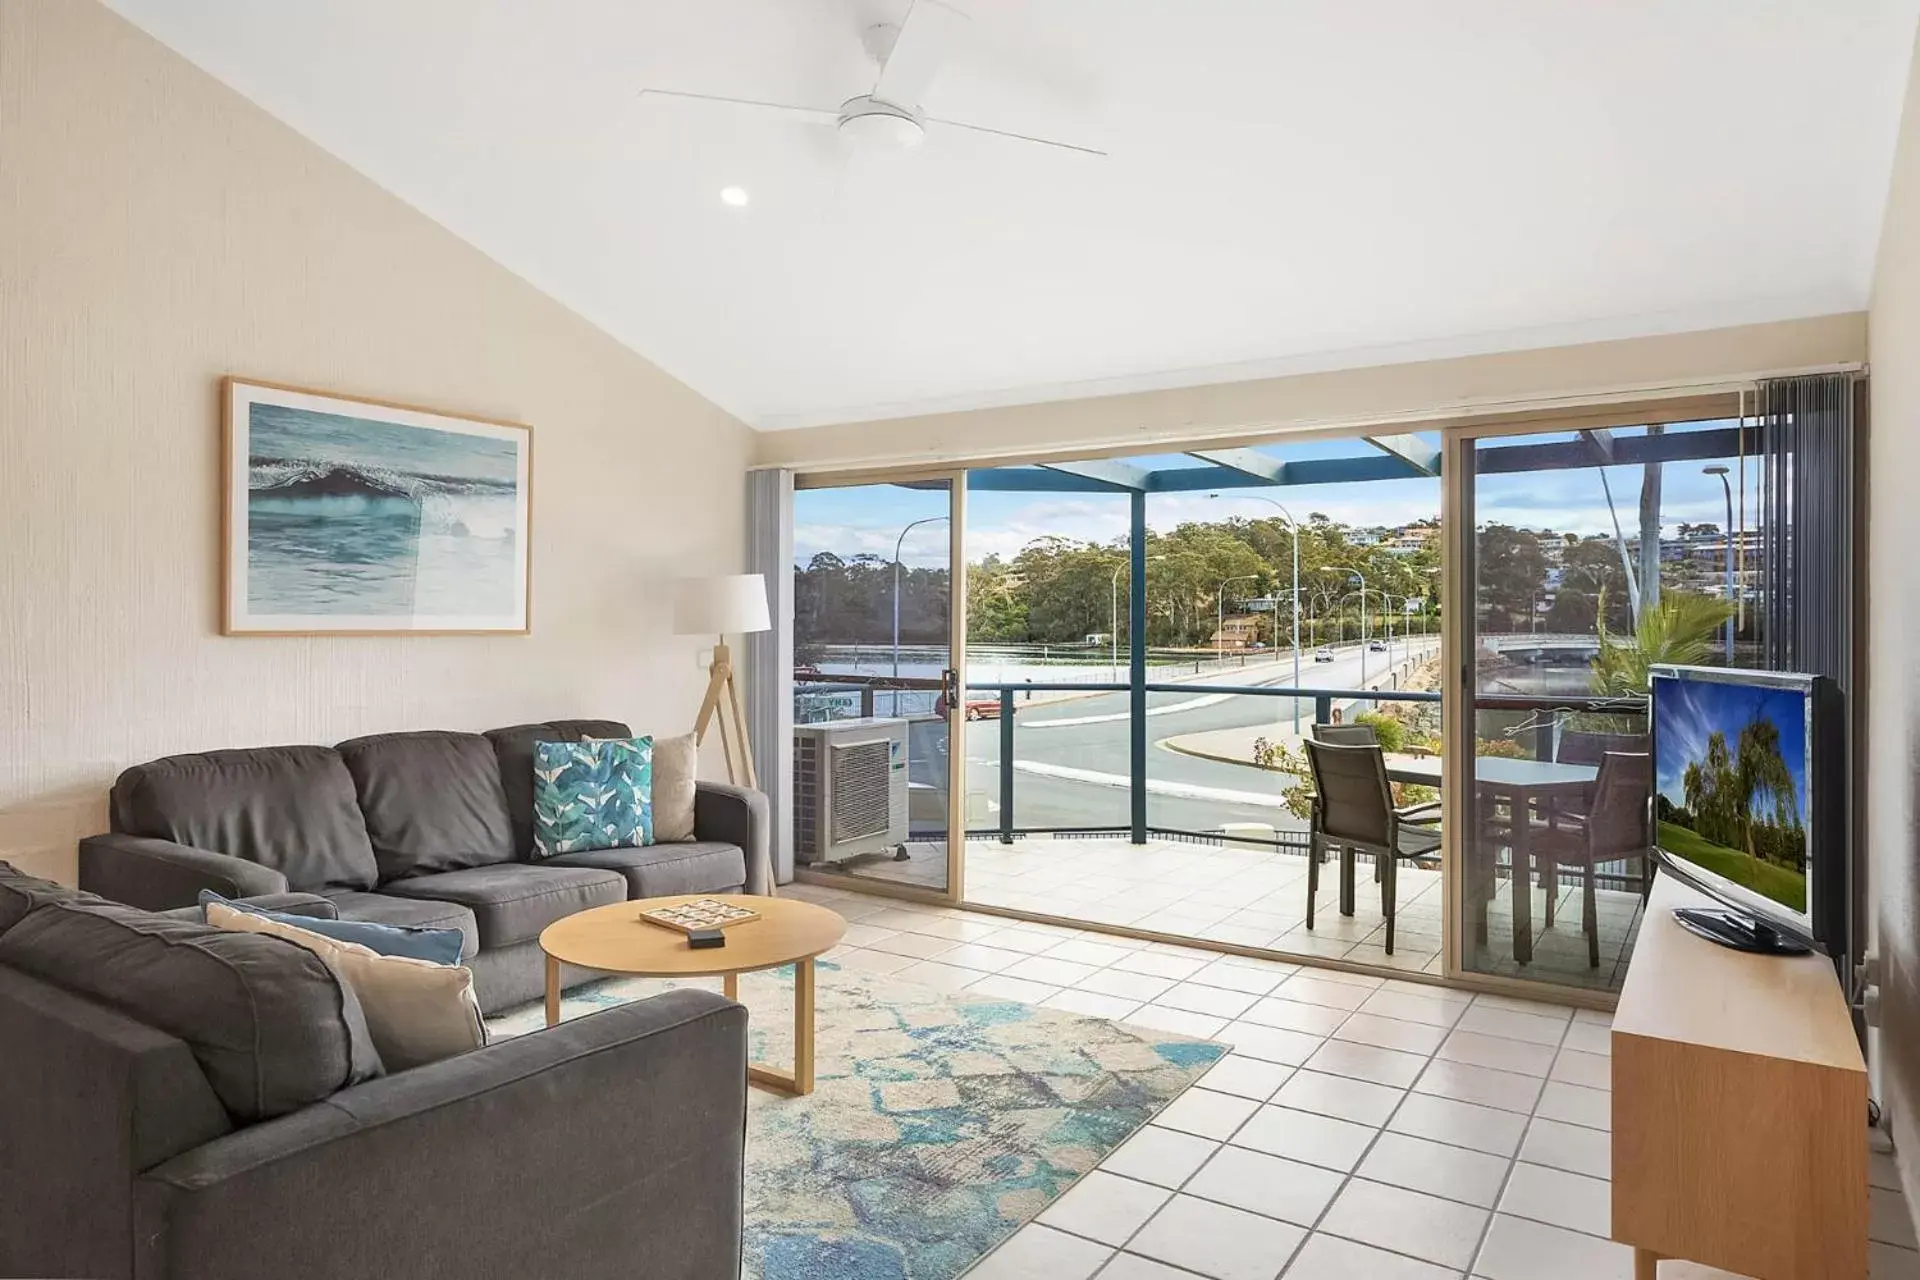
417 1011
675 762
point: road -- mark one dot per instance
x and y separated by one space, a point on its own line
1071 759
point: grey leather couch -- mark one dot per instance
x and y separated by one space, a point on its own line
431 829
188 1103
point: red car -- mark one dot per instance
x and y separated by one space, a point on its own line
977 708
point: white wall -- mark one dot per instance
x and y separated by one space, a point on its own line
158 231
1892 695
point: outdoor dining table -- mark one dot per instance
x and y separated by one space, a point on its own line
1523 785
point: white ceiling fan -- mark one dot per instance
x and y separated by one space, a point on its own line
889 117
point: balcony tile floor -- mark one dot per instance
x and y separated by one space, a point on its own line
1256 897
1362 1126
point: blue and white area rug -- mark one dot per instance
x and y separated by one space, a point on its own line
939 1123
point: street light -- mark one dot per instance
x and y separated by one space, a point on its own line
897 544
1220 611
1294 530
1718 470
1347 568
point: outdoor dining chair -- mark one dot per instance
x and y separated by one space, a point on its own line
1613 829
1353 812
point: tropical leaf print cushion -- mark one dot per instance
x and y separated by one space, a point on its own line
596 794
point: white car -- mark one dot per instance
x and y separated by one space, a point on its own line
1323 654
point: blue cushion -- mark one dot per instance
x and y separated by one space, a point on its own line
441 946
594 794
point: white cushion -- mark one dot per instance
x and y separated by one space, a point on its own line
417 1011
675 763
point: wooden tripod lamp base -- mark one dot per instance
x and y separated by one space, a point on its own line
723 697
734 604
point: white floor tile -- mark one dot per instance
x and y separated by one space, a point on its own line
1341 1097
1887 1262
943 977
1087 951
1091 1003
1118 982
1131 1266
1532 1008
1482 1050
1179 1021
1520 1249
1590 1070
1232 977
1291 1015
1060 973
1575 1105
1452 1173
1409 1222
921 946
1002 987
1887 1218
1274 1044
1391 1033
1483 1085
1461 1124
1588 1037
1213 1001
978 955
1411 1007
1494 1021
862 960
1207 1114
1035 1252
1159 964
1029 940
1217 1241
1166 1157
865 935
1268 1185
1246 1077
1365 1062
1568 1146
1105 1207
1300 1135
1562 1199
1313 988
1325 1257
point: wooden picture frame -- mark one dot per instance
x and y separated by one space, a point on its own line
343 515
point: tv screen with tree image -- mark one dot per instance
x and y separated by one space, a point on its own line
1731 793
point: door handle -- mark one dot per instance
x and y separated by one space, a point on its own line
950 689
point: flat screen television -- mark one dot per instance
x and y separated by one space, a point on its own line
1748 781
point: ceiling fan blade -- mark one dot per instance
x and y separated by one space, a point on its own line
1018 137
928 35
813 115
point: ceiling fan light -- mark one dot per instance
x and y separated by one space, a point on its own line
734 196
867 123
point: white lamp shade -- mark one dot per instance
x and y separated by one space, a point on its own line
734 604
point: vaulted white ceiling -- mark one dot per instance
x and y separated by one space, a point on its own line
1291 183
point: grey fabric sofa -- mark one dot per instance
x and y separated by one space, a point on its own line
185 1103
431 829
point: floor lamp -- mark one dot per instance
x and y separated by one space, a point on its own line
730 605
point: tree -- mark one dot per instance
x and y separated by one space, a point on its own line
1511 570
1680 630
1650 530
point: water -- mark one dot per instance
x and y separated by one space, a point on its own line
349 516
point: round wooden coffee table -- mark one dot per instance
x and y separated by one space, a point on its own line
615 939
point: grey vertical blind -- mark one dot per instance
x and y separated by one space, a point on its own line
769 665
1806 437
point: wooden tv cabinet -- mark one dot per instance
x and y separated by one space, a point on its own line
1739 1108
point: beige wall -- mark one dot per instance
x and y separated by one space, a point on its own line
158 231
1893 688
1632 369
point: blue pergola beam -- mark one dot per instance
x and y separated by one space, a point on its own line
1627 451
1262 467
1411 449
1119 475
1306 471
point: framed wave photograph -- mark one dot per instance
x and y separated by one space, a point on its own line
348 516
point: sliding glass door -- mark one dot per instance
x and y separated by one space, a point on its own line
876 671
1584 557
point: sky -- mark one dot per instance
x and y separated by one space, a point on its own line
1686 712
869 518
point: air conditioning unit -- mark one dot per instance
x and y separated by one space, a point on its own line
849 789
